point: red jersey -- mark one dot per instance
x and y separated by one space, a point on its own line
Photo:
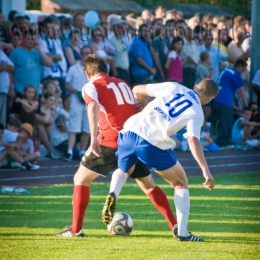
116 105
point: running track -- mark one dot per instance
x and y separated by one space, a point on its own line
60 172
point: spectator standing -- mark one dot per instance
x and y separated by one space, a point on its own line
27 60
51 45
230 81
216 56
121 51
78 120
72 51
161 47
174 63
191 53
142 66
6 67
160 12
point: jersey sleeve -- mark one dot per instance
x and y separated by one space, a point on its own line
172 55
153 90
89 93
238 80
69 76
194 128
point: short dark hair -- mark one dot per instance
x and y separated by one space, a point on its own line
94 65
240 62
65 98
246 109
204 55
2 126
14 122
47 95
208 87
170 21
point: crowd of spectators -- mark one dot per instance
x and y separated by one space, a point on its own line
41 73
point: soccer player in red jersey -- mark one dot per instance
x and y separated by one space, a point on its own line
110 103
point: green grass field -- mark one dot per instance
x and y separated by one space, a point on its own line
228 218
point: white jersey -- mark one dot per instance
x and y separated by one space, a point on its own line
173 108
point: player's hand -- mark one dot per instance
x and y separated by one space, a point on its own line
209 183
95 147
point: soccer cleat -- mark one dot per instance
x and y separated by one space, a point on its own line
109 208
29 166
175 231
68 157
190 238
68 233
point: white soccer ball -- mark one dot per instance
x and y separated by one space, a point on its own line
122 224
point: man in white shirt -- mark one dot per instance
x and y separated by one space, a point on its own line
146 136
6 67
78 119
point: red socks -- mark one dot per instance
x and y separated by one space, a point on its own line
161 202
80 203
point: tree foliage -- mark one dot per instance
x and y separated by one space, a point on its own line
33 5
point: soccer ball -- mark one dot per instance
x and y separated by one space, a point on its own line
122 224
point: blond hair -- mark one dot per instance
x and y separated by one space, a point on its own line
207 87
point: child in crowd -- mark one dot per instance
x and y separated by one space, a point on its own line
203 70
29 102
205 139
241 131
59 132
45 120
50 86
26 145
173 63
10 144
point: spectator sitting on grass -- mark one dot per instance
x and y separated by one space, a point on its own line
59 131
206 141
26 145
9 145
241 131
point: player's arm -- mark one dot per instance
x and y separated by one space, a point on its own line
140 92
198 154
93 112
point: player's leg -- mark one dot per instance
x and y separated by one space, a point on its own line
177 178
90 168
126 160
158 198
246 134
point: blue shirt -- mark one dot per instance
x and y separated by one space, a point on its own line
215 57
27 69
229 81
140 48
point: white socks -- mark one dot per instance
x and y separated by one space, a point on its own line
118 180
182 205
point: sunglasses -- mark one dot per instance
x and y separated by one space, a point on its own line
85 53
254 110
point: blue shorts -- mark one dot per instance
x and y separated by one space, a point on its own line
132 147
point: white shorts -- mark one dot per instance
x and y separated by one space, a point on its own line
78 120
252 142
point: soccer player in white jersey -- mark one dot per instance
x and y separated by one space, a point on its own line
146 136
